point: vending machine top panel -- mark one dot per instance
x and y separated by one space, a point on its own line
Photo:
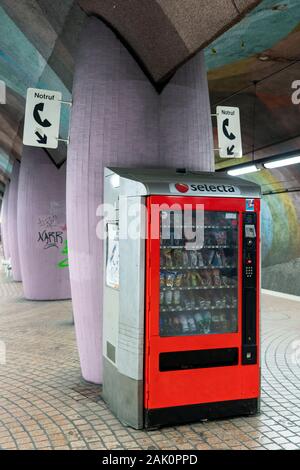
180 182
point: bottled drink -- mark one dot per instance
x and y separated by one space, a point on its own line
184 324
199 321
207 323
193 259
191 324
168 297
179 279
177 298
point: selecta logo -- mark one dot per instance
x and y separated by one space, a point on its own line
206 188
182 188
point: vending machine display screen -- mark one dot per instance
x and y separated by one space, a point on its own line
198 284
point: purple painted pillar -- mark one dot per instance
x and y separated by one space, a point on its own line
13 223
4 223
42 227
119 119
186 137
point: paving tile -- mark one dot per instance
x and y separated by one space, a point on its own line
45 404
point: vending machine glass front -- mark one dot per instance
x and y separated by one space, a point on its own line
198 280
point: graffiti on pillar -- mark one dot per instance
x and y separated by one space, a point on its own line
50 239
47 221
64 263
50 233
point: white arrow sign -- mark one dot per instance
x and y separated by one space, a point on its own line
42 118
229 132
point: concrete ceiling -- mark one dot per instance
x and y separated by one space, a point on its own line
38 43
256 73
165 33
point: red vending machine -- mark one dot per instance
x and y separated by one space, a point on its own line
199 325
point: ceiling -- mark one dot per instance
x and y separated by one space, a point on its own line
254 68
38 43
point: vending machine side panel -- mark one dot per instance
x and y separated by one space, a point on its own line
123 325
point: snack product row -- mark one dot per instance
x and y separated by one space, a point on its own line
186 300
195 279
197 323
170 258
210 237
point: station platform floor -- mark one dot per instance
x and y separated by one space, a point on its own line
45 404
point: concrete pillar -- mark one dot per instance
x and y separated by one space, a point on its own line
186 138
119 119
4 223
42 227
13 224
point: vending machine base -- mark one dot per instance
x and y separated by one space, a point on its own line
201 412
128 405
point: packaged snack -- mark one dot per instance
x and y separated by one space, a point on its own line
216 277
178 258
162 298
207 278
170 279
179 279
162 259
195 279
168 258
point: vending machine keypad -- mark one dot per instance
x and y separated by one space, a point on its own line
249 327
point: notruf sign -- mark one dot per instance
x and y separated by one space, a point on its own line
42 118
